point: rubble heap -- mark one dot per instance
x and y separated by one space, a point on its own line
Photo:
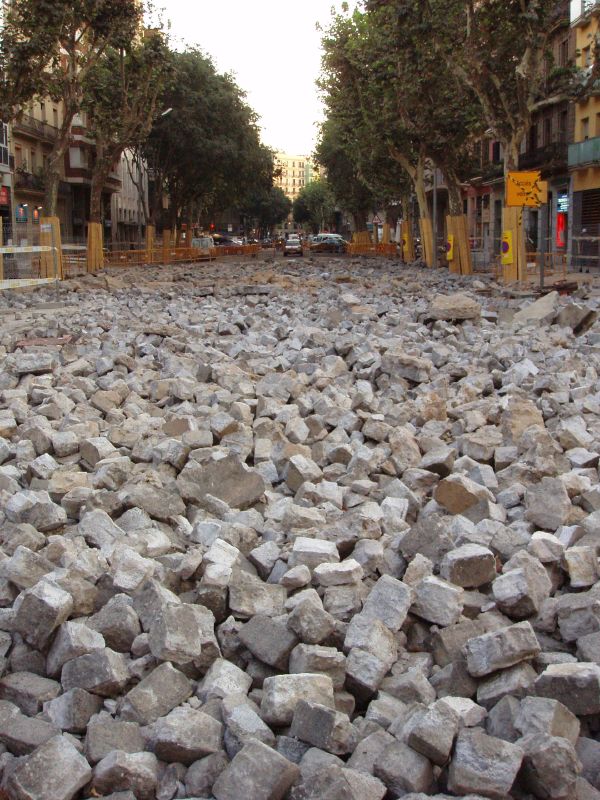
321 535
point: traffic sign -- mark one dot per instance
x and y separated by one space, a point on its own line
507 247
526 189
377 220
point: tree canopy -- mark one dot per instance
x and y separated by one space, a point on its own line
265 209
315 205
121 96
206 153
47 49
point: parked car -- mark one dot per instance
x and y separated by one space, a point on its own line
328 243
292 247
226 241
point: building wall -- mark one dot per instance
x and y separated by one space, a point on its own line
297 171
32 139
583 153
126 210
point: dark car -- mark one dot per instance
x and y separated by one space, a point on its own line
328 243
226 241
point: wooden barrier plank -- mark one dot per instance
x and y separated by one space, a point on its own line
95 250
408 244
427 241
51 264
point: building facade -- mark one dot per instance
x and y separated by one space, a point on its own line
293 173
127 205
584 150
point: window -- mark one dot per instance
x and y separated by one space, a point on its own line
55 117
586 53
43 111
563 119
585 128
548 131
18 157
590 207
4 144
533 136
563 53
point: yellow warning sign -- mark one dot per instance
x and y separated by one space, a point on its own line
450 247
507 247
525 189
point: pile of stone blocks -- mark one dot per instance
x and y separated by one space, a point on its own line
299 536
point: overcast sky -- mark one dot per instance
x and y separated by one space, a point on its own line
273 48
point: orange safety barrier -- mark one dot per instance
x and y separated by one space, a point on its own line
238 250
173 255
390 249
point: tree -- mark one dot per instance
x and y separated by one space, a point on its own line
499 51
47 49
267 209
344 178
314 205
120 97
206 153
402 98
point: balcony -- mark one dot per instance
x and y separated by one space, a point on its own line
581 10
35 128
551 157
25 181
585 154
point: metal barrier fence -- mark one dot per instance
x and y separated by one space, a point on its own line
585 249
28 256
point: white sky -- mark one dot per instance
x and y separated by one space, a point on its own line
273 49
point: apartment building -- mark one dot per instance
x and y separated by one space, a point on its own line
127 214
584 151
6 177
32 138
293 173
546 148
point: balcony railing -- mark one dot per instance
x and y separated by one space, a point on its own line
35 127
585 153
554 154
25 180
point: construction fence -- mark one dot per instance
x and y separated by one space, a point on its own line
28 256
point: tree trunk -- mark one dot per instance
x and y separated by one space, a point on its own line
455 202
512 218
99 177
420 191
360 221
511 153
52 171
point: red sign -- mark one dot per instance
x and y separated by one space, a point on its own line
4 196
561 229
